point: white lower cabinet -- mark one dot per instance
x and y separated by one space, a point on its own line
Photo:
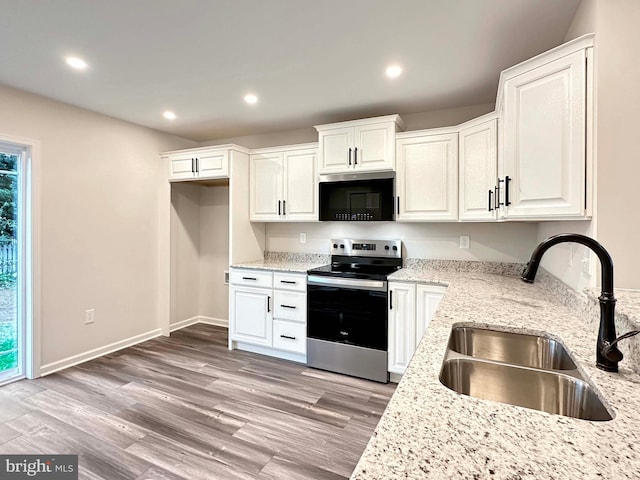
402 336
272 317
251 312
411 308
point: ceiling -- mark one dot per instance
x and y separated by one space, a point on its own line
309 62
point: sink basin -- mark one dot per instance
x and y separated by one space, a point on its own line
513 348
550 392
532 371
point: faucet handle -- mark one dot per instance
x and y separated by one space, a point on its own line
611 352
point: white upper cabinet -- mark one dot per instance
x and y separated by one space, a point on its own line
359 145
478 169
283 184
199 163
427 176
546 135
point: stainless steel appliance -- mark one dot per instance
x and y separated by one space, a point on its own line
357 197
347 323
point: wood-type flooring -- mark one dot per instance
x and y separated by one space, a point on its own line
185 407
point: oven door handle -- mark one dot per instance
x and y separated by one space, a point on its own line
375 285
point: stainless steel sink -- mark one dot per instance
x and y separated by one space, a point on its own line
543 390
519 369
513 348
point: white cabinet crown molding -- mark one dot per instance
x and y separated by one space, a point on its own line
364 121
228 146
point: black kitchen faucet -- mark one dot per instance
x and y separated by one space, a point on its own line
607 353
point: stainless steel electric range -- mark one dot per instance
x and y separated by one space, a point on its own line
347 323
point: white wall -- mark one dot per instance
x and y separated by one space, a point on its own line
616 169
100 210
413 121
501 242
214 252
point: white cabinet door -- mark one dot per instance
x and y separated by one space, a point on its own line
300 194
335 149
265 187
427 178
544 140
428 298
250 315
478 161
182 166
374 147
402 317
213 164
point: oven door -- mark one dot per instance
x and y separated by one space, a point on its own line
347 311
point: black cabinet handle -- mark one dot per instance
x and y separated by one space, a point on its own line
288 306
507 179
390 299
349 157
197 165
287 336
288 281
279 208
398 199
193 168
284 207
490 195
355 156
268 304
249 278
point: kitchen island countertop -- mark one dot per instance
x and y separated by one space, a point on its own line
431 432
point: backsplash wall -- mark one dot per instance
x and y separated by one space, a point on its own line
499 242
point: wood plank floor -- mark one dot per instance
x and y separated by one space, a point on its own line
185 407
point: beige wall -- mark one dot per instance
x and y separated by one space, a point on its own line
617 76
100 210
413 121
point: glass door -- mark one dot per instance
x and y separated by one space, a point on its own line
12 325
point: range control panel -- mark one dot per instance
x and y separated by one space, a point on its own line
367 248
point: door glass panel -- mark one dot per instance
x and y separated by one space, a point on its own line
10 324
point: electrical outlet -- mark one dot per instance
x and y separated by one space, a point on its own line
303 237
464 241
89 316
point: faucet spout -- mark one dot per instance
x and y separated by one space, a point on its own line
607 330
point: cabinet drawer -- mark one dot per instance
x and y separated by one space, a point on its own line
290 281
290 306
251 278
290 336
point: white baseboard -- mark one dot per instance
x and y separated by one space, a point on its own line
50 368
219 322
183 323
53 367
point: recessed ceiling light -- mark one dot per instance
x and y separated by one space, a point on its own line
76 63
393 71
250 98
169 115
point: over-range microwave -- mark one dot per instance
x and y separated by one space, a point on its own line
358 197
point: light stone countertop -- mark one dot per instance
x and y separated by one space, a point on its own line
286 262
431 432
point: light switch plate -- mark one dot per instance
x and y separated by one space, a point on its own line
303 237
464 241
